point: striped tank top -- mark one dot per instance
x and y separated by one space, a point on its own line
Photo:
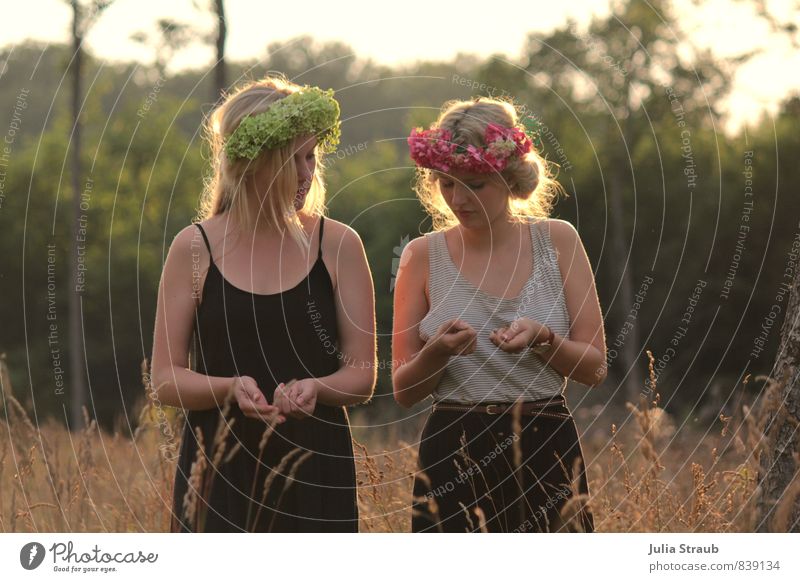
489 374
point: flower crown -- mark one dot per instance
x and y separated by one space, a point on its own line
309 110
434 149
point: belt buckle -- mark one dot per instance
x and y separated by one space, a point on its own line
492 409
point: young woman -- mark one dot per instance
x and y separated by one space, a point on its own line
279 305
493 310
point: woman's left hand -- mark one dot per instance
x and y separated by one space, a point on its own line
298 398
518 335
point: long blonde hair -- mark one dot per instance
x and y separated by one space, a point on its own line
226 188
530 179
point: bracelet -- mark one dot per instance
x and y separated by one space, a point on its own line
545 344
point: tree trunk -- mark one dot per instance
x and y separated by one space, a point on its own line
220 81
623 253
77 357
778 502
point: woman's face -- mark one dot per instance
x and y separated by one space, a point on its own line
305 160
477 200
305 163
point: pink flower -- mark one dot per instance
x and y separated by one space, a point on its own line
434 148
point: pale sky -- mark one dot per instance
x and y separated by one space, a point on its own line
419 29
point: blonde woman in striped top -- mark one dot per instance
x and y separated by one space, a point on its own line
494 310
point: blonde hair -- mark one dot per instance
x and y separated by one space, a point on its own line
529 179
227 188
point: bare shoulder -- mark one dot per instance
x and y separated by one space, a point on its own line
413 266
414 257
563 236
341 248
560 228
186 241
340 236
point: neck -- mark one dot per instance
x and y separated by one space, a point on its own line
262 227
495 234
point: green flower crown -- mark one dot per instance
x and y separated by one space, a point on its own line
309 110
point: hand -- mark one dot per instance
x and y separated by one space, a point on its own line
252 401
519 336
298 398
454 338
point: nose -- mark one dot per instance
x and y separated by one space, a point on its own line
304 173
461 194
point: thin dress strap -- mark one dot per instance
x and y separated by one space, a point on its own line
205 238
321 224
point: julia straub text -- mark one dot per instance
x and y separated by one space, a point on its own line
682 549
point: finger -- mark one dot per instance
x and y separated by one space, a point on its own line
291 398
493 337
260 410
455 325
466 326
284 405
512 347
518 342
464 335
272 416
290 387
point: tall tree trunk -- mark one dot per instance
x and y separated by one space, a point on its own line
77 356
220 81
778 503
630 349
623 255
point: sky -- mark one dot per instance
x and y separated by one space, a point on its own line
422 29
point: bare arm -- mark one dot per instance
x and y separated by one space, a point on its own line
582 357
417 367
355 380
174 384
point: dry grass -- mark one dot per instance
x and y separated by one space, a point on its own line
644 475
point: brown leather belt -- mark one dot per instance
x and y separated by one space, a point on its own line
532 407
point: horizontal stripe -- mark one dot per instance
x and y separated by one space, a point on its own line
489 373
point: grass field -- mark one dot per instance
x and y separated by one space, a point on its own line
646 472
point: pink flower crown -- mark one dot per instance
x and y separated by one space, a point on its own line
433 148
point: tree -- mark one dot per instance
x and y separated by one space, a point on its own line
614 75
171 37
83 18
220 82
778 504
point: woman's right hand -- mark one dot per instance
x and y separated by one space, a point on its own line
252 401
454 338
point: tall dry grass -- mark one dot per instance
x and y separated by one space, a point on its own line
645 473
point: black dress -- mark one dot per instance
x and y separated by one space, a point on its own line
306 465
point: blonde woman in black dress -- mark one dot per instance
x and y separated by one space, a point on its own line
277 303
495 308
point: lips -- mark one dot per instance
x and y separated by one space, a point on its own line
300 197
